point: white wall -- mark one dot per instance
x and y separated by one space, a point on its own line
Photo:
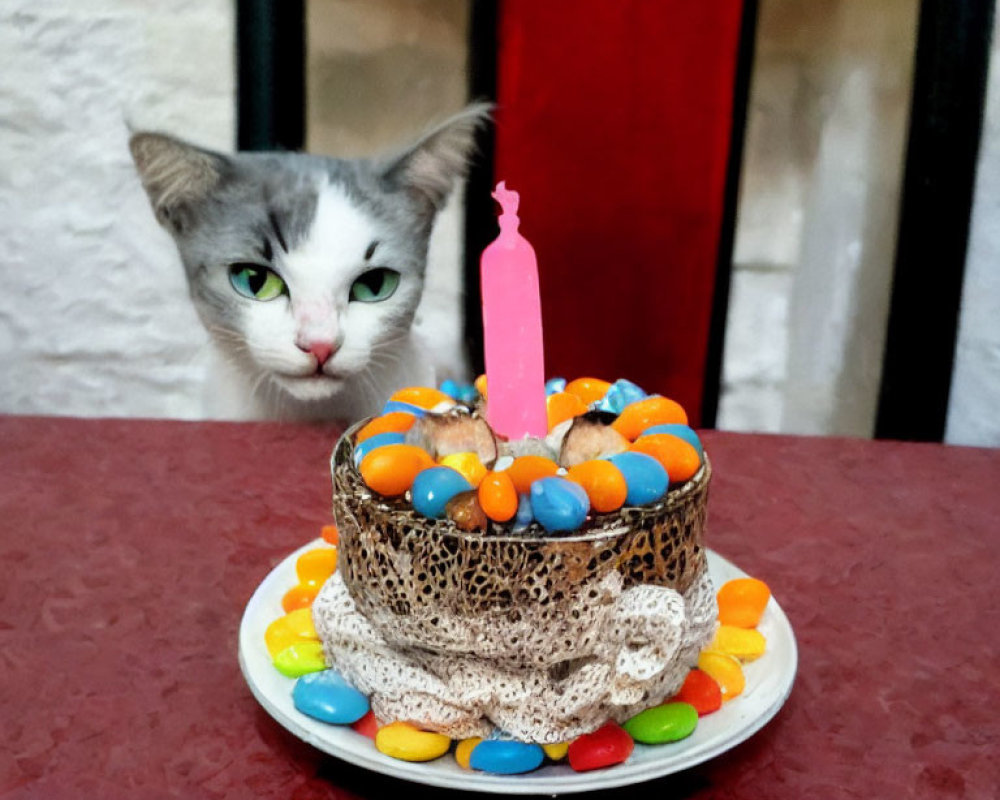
94 316
974 405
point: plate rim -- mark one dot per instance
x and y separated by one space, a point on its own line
260 676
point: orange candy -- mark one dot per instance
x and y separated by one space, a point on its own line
527 469
393 422
330 534
641 414
497 496
742 602
299 596
589 390
562 406
679 458
422 396
480 385
701 691
603 482
390 469
315 566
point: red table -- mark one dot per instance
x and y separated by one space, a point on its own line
129 548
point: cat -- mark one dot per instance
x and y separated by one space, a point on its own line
307 271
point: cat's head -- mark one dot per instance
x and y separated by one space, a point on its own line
304 269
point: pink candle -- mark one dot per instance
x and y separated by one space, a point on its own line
512 329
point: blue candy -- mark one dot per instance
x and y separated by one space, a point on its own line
559 504
681 432
504 757
621 394
409 408
468 394
555 385
328 697
434 487
524 516
451 388
645 477
378 440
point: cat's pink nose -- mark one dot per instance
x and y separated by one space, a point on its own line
321 350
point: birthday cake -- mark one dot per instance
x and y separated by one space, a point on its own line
539 587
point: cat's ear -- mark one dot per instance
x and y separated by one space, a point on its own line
174 174
431 166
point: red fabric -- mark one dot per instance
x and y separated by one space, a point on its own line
613 123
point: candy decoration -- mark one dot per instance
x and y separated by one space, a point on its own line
367 725
326 696
424 397
725 671
498 497
451 388
645 477
434 487
299 596
559 504
300 659
361 449
606 746
391 470
295 626
464 510
525 516
742 602
330 534
527 469
562 406
557 751
642 414
746 644
480 384
394 422
678 458
589 390
407 743
316 565
668 722
406 408
620 394
685 432
463 750
603 482
466 464
554 385
701 691
506 757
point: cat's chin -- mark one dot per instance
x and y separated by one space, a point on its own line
311 388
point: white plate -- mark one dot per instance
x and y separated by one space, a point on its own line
768 683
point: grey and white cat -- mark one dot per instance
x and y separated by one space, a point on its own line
308 271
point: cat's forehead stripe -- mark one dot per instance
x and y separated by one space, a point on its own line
371 250
277 230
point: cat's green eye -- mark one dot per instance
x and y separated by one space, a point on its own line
257 283
375 285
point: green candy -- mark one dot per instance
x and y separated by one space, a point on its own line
669 722
300 659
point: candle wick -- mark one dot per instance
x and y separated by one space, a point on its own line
509 201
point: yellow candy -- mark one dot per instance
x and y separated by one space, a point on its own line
556 752
300 659
745 644
422 397
315 566
463 751
407 743
467 465
725 670
296 626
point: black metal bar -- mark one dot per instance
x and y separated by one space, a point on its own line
712 383
480 218
270 57
949 85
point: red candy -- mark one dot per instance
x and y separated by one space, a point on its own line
701 691
605 747
367 725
